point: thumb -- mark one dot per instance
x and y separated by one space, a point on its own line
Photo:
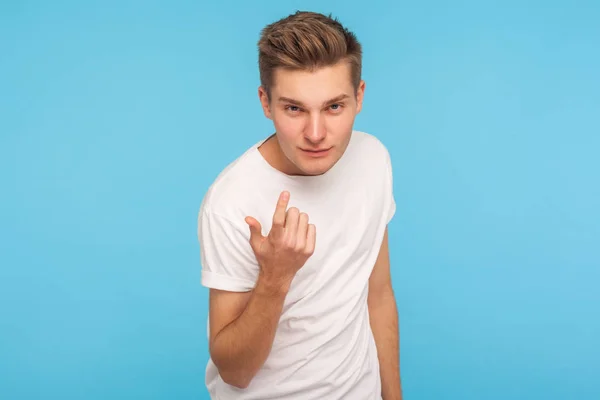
255 228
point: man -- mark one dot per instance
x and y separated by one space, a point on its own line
293 235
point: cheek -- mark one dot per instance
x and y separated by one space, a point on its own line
340 123
288 127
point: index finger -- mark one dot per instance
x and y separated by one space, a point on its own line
280 212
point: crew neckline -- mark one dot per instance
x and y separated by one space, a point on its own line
300 179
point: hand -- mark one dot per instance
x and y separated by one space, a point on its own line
287 247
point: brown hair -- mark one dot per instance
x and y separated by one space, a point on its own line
307 41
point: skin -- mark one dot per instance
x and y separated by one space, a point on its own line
243 325
383 314
310 110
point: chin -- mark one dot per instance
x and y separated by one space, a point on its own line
315 168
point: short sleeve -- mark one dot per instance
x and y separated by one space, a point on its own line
389 189
228 262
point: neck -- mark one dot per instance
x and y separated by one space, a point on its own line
272 153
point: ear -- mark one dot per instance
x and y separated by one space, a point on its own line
264 101
360 93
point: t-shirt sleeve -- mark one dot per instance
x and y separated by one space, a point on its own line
389 189
228 262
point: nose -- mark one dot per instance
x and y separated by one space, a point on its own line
315 130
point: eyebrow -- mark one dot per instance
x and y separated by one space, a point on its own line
299 103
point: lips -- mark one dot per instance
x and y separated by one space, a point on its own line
317 153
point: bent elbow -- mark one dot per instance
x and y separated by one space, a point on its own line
236 381
232 373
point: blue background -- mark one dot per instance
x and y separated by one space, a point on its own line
115 117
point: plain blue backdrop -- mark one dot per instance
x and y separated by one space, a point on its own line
115 117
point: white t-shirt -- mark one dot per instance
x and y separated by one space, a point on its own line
324 347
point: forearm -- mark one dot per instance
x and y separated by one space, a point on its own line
242 347
384 323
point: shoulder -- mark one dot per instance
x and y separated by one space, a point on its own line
225 194
370 147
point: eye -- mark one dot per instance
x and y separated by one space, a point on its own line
292 108
336 107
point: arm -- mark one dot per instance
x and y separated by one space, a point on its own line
384 323
242 329
243 325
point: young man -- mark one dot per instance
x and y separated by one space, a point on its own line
293 235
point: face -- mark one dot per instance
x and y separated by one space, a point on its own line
313 113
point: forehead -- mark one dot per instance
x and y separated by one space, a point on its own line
312 87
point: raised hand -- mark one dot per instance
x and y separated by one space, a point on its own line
287 247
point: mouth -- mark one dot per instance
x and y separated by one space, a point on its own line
317 152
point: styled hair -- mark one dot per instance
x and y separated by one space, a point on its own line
307 41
